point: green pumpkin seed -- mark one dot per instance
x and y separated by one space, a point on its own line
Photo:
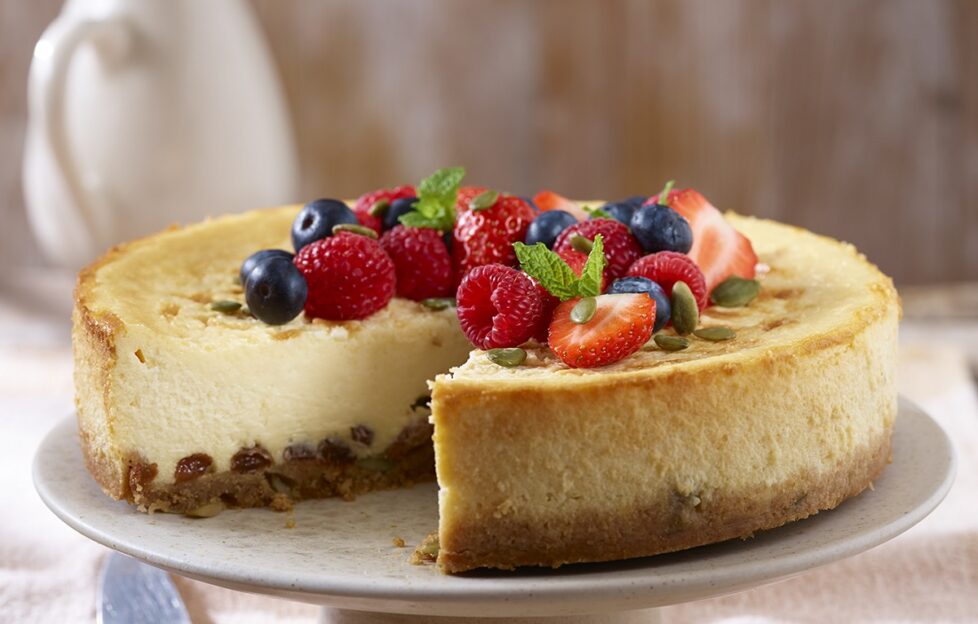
583 311
581 244
685 312
379 208
438 303
486 199
226 306
375 464
507 357
735 292
715 334
354 228
670 343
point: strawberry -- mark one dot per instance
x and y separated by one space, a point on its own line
665 268
422 262
465 196
349 277
366 202
486 236
620 326
620 247
718 249
498 306
548 200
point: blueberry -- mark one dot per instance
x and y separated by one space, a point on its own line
624 209
547 226
275 290
660 228
397 208
316 220
529 200
257 258
663 309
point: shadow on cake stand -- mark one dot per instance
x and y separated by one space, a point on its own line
342 555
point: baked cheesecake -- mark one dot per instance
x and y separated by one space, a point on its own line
617 403
186 408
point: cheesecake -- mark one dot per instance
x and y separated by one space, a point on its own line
185 408
188 403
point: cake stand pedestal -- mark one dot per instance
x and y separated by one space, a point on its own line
341 555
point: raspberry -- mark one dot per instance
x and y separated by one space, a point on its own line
486 236
620 247
498 306
366 201
349 277
424 268
668 267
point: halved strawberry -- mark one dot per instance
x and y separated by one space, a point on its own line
718 249
620 326
548 200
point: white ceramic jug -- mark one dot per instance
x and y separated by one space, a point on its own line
145 113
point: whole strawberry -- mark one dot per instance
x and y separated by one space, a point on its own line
421 260
620 247
498 306
369 207
485 233
349 277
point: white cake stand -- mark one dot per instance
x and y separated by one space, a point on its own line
341 554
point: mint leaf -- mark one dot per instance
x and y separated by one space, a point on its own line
548 269
590 283
437 195
597 213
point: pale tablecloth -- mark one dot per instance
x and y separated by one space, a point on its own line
48 572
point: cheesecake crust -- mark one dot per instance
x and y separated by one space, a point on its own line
677 523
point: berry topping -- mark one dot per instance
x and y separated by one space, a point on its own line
486 236
624 209
718 249
422 263
275 290
548 200
257 258
498 306
668 267
620 247
660 228
349 276
371 208
547 226
398 207
618 327
316 220
663 309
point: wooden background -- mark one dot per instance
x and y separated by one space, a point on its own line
854 118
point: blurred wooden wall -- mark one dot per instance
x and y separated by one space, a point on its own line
855 118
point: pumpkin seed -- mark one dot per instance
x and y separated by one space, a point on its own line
735 292
379 208
438 303
581 244
507 357
486 199
226 306
670 343
583 311
685 313
375 464
354 228
714 333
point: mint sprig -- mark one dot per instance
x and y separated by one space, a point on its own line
437 195
550 270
